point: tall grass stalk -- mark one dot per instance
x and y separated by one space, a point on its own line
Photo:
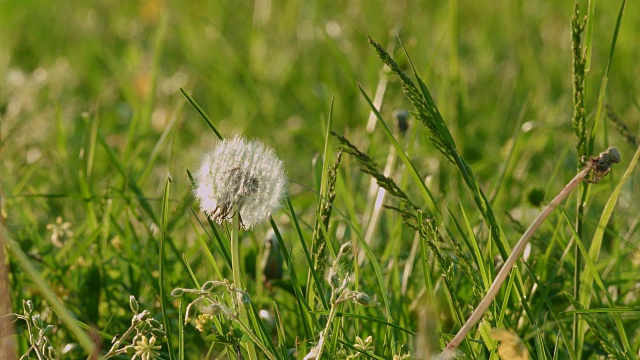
578 121
582 283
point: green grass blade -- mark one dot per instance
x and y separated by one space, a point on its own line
222 246
52 299
181 331
206 250
368 318
566 334
88 157
605 78
617 310
596 242
316 279
303 306
475 250
590 268
319 240
202 113
162 285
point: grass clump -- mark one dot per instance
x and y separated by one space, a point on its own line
392 242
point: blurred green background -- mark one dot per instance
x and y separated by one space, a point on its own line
269 69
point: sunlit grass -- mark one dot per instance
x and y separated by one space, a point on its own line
107 109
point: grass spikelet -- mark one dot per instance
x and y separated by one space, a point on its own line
322 221
428 114
368 166
426 110
579 69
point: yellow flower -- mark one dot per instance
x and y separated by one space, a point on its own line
146 348
204 323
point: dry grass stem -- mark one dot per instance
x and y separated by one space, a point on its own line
597 167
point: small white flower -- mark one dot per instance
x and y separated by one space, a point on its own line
240 175
60 231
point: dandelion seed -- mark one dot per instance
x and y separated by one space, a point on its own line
60 231
240 176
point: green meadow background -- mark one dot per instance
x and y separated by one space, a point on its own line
93 122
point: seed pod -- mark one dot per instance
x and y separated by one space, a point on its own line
158 333
154 323
208 286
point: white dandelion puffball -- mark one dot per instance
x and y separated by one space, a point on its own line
240 175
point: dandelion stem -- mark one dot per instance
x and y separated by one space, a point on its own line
235 251
237 278
511 260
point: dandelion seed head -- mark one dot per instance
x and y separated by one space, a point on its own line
240 175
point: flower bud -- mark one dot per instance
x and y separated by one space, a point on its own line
37 321
364 299
27 305
133 304
48 330
333 279
345 248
